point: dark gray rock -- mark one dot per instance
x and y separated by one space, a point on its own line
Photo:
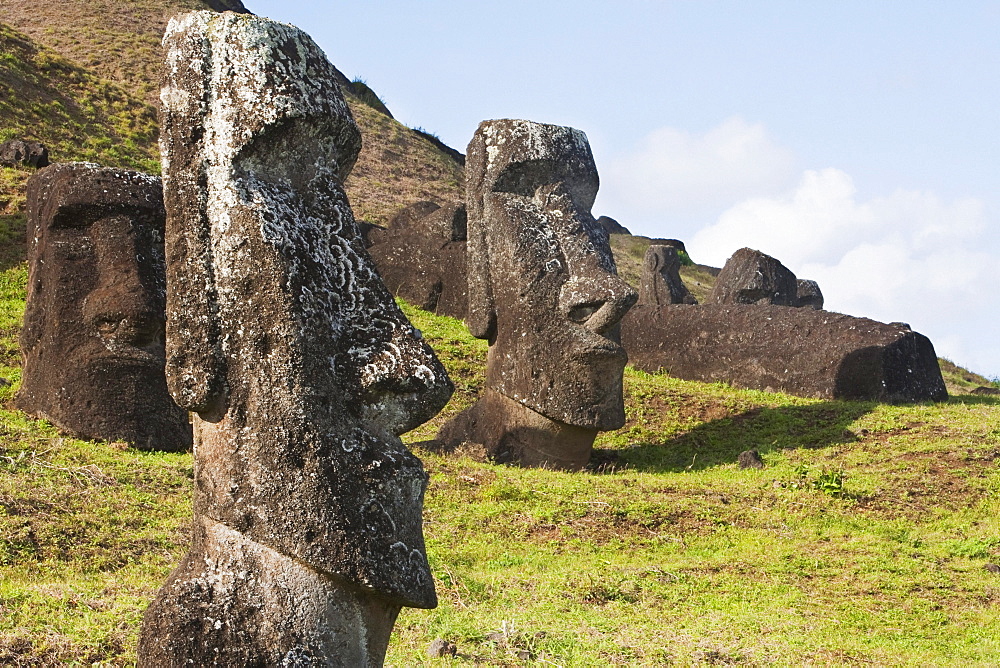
421 257
751 277
673 243
800 351
440 648
544 291
986 391
23 153
750 459
660 282
302 371
92 340
612 226
808 294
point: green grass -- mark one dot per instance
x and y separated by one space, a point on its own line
864 539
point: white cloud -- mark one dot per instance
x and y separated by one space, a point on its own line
908 256
675 178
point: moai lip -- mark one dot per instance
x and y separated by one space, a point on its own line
301 370
543 289
92 340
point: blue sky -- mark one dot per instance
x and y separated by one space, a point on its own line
857 142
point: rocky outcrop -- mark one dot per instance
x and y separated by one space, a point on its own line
421 257
801 351
808 294
23 153
612 226
544 291
299 367
751 277
92 339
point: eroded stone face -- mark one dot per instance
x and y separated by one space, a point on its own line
93 333
281 337
661 282
543 286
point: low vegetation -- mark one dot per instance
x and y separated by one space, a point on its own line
867 538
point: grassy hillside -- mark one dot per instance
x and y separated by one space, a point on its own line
115 45
77 114
865 540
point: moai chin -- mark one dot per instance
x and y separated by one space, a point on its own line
544 291
93 327
301 369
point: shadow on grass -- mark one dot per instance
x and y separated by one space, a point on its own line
766 429
974 399
13 247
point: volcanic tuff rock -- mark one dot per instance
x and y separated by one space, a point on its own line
808 294
421 257
544 291
18 152
301 369
751 277
92 339
780 349
661 282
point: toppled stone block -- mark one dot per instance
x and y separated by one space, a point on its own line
779 349
808 294
299 367
92 341
660 282
544 291
23 153
421 257
751 277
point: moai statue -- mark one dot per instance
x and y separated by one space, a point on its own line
544 291
661 282
93 326
299 367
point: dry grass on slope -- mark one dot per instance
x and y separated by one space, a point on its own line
119 41
77 115
397 167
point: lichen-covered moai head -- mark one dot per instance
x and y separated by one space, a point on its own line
301 368
93 332
543 286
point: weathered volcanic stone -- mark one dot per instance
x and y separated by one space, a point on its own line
775 348
612 226
660 282
751 277
22 153
544 291
421 257
808 294
299 366
93 327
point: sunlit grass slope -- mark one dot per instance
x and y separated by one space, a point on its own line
864 540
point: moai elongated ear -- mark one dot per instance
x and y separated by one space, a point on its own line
481 318
196 368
